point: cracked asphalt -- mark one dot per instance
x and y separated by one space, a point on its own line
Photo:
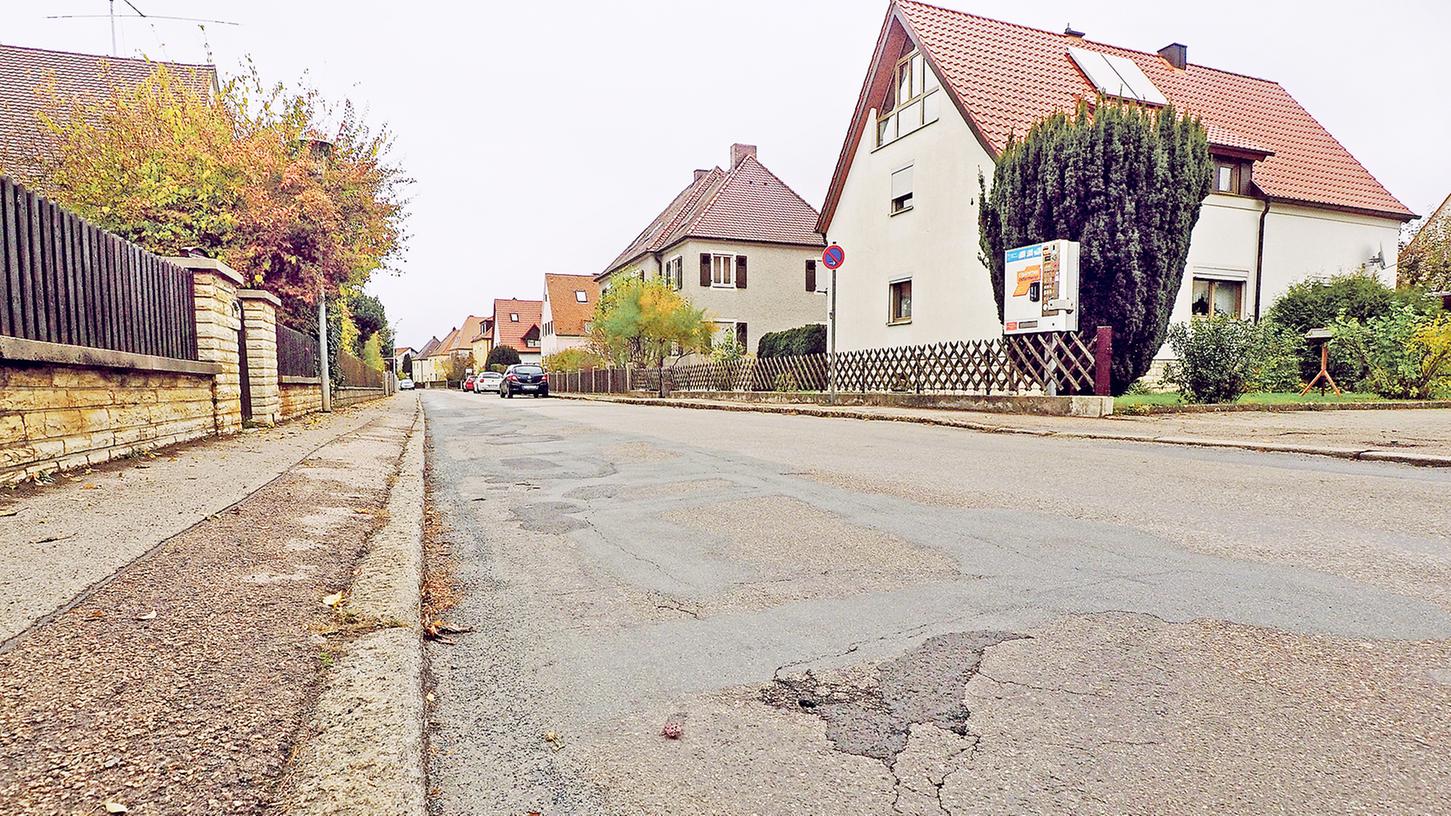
850 617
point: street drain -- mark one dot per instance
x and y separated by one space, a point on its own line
872 718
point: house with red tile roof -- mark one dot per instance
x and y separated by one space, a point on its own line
33 80
569 303
944 92
517 325
737 242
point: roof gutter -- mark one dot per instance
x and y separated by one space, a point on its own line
1260 259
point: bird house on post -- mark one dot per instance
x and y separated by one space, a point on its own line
1321 338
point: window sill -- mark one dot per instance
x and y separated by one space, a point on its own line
723 286
902 322
905 209
896 139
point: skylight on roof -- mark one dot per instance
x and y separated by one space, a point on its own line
1117 77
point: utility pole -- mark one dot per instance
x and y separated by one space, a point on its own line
323 368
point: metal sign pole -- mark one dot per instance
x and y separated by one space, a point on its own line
831 360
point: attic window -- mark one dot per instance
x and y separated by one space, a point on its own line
579 295
1117 76
513 317
912 99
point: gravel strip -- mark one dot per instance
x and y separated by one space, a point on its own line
181 685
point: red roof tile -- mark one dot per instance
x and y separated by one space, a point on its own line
1005 77
86 78
747 203
511 333
565 309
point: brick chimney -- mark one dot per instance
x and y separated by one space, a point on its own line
739 152
1177 55
700 174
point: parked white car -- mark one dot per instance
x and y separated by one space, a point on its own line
488 382
405 384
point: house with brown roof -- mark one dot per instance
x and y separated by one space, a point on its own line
33 80
737 242
422 362
569 303
946 90
483 343
517 325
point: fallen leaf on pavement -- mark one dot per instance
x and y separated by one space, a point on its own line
95 614
148 616
333 600
674 727
89 486
115 807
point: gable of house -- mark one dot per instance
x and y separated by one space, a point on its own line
570 302
745 204
1003 77
512 321
30 76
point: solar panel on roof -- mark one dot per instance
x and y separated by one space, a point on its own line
1117 76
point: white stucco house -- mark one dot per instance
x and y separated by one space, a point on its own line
739 243
946 89
569 303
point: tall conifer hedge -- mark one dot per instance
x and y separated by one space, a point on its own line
1126 182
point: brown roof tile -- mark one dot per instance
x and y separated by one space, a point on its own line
510 332
1005 77
26 73
565 309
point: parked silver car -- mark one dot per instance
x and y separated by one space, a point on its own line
487 381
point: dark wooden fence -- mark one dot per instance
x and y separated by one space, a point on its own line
63 280
354 372
296 353
1069 363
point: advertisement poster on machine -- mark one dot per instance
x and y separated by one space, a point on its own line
1040 288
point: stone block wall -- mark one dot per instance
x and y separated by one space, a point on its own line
59 417
352 395
298 396
218 318
259 312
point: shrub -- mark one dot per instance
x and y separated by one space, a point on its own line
809 339
1314 304
1221 358
1405 353
573 359
502 355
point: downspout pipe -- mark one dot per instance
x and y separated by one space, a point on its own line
1260 259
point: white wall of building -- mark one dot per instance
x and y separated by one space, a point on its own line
1305 242
935 243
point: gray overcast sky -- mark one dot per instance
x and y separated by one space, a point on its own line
544 135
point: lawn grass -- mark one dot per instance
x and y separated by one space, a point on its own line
1169 399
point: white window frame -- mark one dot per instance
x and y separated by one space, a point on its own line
581 296
892 318
674 272
922 90
910 197
716 267
513 317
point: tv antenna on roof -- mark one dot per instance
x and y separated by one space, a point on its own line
111 15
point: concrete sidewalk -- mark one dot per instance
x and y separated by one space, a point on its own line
1417 437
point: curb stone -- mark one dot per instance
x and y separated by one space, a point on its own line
365 752
1364 454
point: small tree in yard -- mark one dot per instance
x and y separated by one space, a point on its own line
644 322
1219 359
573 359
1127 183
1404 353
502 356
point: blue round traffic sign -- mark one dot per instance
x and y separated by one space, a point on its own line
833 257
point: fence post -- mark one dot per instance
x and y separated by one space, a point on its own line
259 312
214 291
1103 361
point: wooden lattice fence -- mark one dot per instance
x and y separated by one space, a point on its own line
1021 364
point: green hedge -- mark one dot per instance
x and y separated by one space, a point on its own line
793 342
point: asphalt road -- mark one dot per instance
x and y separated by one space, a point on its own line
848 617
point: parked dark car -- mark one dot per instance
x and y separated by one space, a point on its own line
524 378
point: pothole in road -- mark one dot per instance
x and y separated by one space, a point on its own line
872 718
550 517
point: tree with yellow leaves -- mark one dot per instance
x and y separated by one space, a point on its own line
643 322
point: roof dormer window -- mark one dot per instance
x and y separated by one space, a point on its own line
912 101
580 296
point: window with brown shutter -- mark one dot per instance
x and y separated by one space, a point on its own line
811 276
705 269
741 273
